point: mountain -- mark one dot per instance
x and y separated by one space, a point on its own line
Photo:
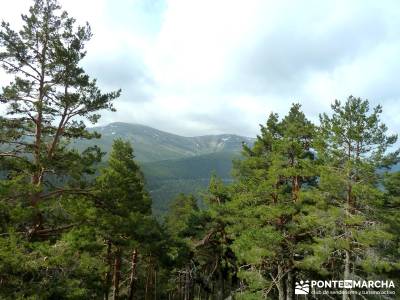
191 175
197 167
396 168
155 145
171 163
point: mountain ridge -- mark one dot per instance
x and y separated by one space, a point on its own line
172 163
164 131
152 144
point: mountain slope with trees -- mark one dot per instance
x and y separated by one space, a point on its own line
172 164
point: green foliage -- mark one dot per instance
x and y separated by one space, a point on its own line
306 201
352 145
180 212
47 244
167 179
268 206
46 104
123 218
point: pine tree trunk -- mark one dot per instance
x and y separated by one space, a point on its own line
187 284
132 282
155 283
349 211
346 274
149 290
107 281
117 274
180 294
295 188
289 285
281 283
37 175
221 288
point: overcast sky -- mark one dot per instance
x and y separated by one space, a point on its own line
221 66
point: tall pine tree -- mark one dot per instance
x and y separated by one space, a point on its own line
267 204
124 221
46 103
46 250
352 146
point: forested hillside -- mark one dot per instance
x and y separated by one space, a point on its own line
166 179
172 164
306 201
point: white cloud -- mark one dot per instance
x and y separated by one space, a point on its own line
199 67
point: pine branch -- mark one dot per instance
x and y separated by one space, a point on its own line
65 191
19 69
52 230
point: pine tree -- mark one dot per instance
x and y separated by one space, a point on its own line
47 102
124 220
390 215
178 224
180 211
49 251
213 253
205 265
267 204
352 146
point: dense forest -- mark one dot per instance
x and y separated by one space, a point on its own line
307 201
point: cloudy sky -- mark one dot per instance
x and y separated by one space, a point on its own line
221 66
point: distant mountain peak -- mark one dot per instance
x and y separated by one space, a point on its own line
146 127
152 144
